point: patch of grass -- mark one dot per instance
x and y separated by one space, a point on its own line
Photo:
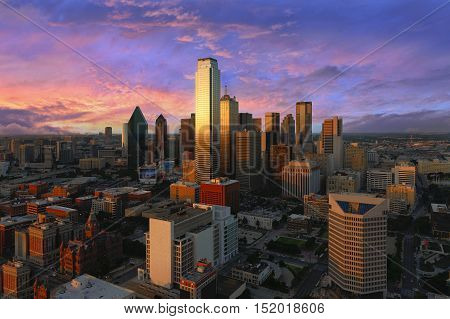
291 241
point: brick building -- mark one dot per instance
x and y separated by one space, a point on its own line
221 191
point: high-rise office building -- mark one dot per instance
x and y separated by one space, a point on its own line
300 178
405 173
248 159
288 130
272 122
187 137
355 157
331 140
207 119
401 198
137 134
64 152
378 180
26 154
108 131
280 155
229 123
303 123
125 135
246 121
161 141
221 191
257 124
178 238
357 243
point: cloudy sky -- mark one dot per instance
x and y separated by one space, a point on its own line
112 55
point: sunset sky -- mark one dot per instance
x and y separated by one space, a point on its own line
271 54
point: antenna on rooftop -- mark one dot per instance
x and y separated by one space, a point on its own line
226 89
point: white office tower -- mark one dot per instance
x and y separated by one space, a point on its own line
405 173
357 243
207 119
300 178
179 236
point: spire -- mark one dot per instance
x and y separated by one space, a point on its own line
226 89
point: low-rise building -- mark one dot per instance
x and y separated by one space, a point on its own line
90 287
316 207
185 191
201 283
259 218
252 274
299 223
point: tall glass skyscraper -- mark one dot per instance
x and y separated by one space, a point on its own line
303 123
207 119
137 134
162 146
229 123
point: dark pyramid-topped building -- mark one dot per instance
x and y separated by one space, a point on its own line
137 134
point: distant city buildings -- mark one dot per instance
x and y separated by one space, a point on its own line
303 122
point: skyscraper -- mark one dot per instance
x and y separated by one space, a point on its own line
246 121
125 135
229 122
303 121
187 137
161 138
300 178
137 134
288 130
331 140
272 122
357 242
207 119
108 131
248 159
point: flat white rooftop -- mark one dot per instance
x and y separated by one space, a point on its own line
89 287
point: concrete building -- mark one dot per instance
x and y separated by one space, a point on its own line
200 283
187 136
378 180
16 281
93 163
252 274
188 168
280 155
179 236
259 218
229 123
434 166
316 207
299 223
222 192
207 119
401 198
8 226
90 287
331 140
345 181
405 173
355 157
357 243
185 191
45 237
248 159
300 178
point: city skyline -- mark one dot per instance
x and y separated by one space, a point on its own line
274 60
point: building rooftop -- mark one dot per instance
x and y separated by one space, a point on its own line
221 181
62 208
438 208
11 221
252 268
89 287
